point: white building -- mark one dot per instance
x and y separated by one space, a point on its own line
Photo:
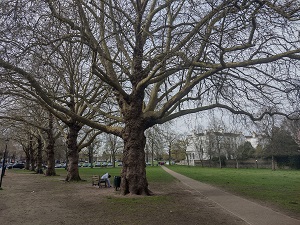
210 144
256 139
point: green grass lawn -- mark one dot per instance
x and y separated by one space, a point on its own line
280 187
154 174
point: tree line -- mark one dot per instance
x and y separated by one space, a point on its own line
121 67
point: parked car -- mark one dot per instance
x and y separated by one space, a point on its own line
109 164
16 166
97 164
86 165
58 165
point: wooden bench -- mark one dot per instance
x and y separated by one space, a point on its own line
97 181
102 181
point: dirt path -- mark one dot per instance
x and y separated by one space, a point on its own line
31 199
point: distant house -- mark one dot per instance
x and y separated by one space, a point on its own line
256 139
211 144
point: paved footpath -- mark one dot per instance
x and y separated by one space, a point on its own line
251 212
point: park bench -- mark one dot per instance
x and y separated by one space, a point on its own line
97 181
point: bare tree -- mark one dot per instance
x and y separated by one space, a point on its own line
60 69
198 142
113 146
294 127
155 142
162 60
30 118
179 148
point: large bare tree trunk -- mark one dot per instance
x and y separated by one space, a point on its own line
133 178
31 152
39 161
50 149
91 154
73 172
27 156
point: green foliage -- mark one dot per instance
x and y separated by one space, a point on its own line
223 160
289 161
259 151
245 151
281 144
279 187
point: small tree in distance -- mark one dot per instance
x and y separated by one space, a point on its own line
281 144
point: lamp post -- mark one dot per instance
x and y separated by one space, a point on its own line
3 162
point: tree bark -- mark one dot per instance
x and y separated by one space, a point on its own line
31 152
73 172
152 152
220 162
133 177
50 149
273 163
91 154
187 159
27 156
39 161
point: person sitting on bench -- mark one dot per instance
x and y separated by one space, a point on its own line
106 178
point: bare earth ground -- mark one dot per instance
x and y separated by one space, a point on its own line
31 199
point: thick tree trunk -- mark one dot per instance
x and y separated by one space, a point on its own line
133 178
91 155
27 157
273 163
50 149
113 159
187 159
50 159
152 152
170 146
73 156
32 156
39 167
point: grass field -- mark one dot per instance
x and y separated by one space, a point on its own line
280 187
154 174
